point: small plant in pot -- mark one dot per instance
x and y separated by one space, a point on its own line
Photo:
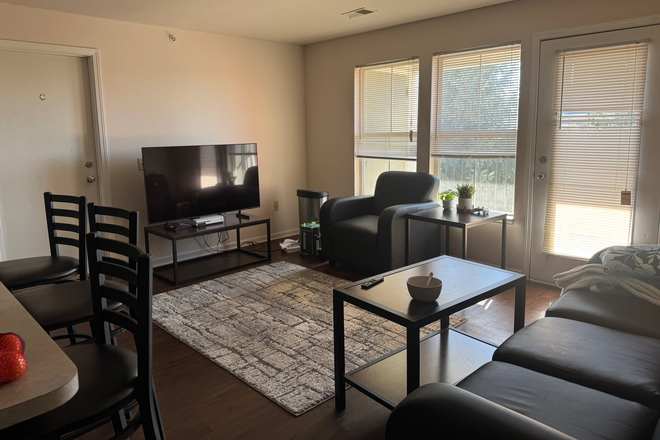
448 198
465 193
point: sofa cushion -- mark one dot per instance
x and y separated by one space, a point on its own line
626 313
361 230
575 410
618 363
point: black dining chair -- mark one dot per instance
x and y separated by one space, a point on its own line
111 378
57 306
34 271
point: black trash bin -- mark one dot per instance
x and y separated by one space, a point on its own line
309 211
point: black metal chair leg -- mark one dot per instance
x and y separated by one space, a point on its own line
159 421
71 330
118 421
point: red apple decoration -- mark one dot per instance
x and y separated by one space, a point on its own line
12 360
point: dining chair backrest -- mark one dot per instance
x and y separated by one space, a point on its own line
98 222
80 229
137 319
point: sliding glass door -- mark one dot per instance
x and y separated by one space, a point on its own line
596 179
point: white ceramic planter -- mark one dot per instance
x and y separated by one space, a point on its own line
464 204
448 204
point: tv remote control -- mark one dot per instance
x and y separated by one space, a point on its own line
371 283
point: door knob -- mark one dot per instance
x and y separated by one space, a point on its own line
540 176
91 179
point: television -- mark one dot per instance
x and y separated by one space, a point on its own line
199 180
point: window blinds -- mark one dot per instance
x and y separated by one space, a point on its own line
386 110
599 95
474 109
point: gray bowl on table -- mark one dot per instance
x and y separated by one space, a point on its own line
421 292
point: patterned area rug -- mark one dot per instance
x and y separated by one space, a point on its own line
271 327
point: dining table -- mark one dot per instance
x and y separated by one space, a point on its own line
50 379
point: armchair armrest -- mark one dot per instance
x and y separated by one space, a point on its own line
343 208
392 232
336 210
441 410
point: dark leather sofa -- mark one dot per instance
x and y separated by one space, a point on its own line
589 370
368 232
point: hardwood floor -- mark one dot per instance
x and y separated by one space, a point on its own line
200 400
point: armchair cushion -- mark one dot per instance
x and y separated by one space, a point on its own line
361 230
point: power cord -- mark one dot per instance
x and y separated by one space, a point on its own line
255 247
217 246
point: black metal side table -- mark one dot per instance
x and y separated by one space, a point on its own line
462 220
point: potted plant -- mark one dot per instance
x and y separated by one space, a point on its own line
465 193
447 198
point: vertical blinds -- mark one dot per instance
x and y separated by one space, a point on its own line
386 110
475 103
599 96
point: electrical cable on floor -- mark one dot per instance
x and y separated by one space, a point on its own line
255 247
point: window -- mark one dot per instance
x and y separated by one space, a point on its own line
594 153
474 122
385 120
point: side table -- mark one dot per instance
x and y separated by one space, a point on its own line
462 220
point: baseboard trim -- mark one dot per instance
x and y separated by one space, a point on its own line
203 251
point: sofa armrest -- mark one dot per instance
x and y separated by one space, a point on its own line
441 410
392 231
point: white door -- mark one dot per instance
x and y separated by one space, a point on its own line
46 139
598 131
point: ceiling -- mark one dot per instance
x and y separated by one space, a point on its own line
284 21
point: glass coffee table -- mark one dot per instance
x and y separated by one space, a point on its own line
444 356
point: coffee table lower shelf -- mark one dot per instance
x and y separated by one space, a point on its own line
446 356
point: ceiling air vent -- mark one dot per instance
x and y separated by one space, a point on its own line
360 12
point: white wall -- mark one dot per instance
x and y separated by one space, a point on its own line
205 88
329 89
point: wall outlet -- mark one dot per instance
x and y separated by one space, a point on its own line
140 166
276 205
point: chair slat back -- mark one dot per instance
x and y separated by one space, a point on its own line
138 321
80 228
96 224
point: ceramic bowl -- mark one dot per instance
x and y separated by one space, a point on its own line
420 292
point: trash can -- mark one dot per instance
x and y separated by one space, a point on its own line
309 205
310 239
309 213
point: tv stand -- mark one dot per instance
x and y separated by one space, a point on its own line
227 260
243 216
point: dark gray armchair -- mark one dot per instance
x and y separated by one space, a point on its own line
369 231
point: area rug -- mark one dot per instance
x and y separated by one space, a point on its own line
271 327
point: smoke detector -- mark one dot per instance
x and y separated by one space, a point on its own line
360 12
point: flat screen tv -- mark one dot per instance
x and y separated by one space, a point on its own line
198 180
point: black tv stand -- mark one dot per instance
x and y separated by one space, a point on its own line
243 216
227 260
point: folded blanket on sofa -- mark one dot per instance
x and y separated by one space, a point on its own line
594 277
